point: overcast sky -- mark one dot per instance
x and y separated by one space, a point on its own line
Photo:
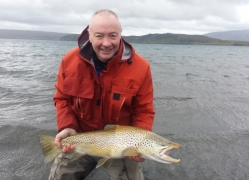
138 17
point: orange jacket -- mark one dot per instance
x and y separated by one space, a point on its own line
123 95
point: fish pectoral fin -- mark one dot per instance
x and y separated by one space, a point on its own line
76 154
130 152
101 162
108 163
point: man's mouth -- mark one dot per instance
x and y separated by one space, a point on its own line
106 50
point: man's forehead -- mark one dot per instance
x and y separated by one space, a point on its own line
108 19
104 16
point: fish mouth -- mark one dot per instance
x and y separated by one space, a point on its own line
164 155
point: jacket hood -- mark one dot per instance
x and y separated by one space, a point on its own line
87 50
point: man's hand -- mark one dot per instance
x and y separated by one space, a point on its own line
61 135
136 158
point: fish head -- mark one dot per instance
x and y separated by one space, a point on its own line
158 149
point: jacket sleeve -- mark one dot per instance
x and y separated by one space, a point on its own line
64 114
143 106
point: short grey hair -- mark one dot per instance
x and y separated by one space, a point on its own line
105 12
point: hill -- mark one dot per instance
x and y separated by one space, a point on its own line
70 37
239 35
166 38
35 35
171 39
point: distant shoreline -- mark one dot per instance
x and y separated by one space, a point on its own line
167 38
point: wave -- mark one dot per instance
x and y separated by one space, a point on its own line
173 98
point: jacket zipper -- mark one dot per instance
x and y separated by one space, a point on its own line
122 103
79 107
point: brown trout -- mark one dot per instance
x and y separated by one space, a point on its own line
114 141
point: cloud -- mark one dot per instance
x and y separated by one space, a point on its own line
137 17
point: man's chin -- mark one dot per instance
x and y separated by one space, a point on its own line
105 58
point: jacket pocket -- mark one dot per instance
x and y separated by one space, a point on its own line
81 92
121 99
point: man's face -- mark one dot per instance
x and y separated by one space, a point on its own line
105 35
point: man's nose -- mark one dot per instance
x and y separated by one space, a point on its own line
106 41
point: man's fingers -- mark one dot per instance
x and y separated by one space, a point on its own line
68 148
61 135
137 158
57 141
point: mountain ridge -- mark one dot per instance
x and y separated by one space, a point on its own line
29 34
236 35
166 38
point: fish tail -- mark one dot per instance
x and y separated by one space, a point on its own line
50 151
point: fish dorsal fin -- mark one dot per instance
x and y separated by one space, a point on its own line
111 126
130 152
101 162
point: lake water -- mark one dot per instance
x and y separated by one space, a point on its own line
201 102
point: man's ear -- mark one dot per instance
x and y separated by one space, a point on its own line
89 34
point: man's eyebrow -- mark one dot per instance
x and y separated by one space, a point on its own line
114 32
97 33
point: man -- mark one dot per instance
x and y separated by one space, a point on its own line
103 81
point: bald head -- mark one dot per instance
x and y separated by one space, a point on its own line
104 14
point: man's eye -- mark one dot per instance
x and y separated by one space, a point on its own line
113 35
